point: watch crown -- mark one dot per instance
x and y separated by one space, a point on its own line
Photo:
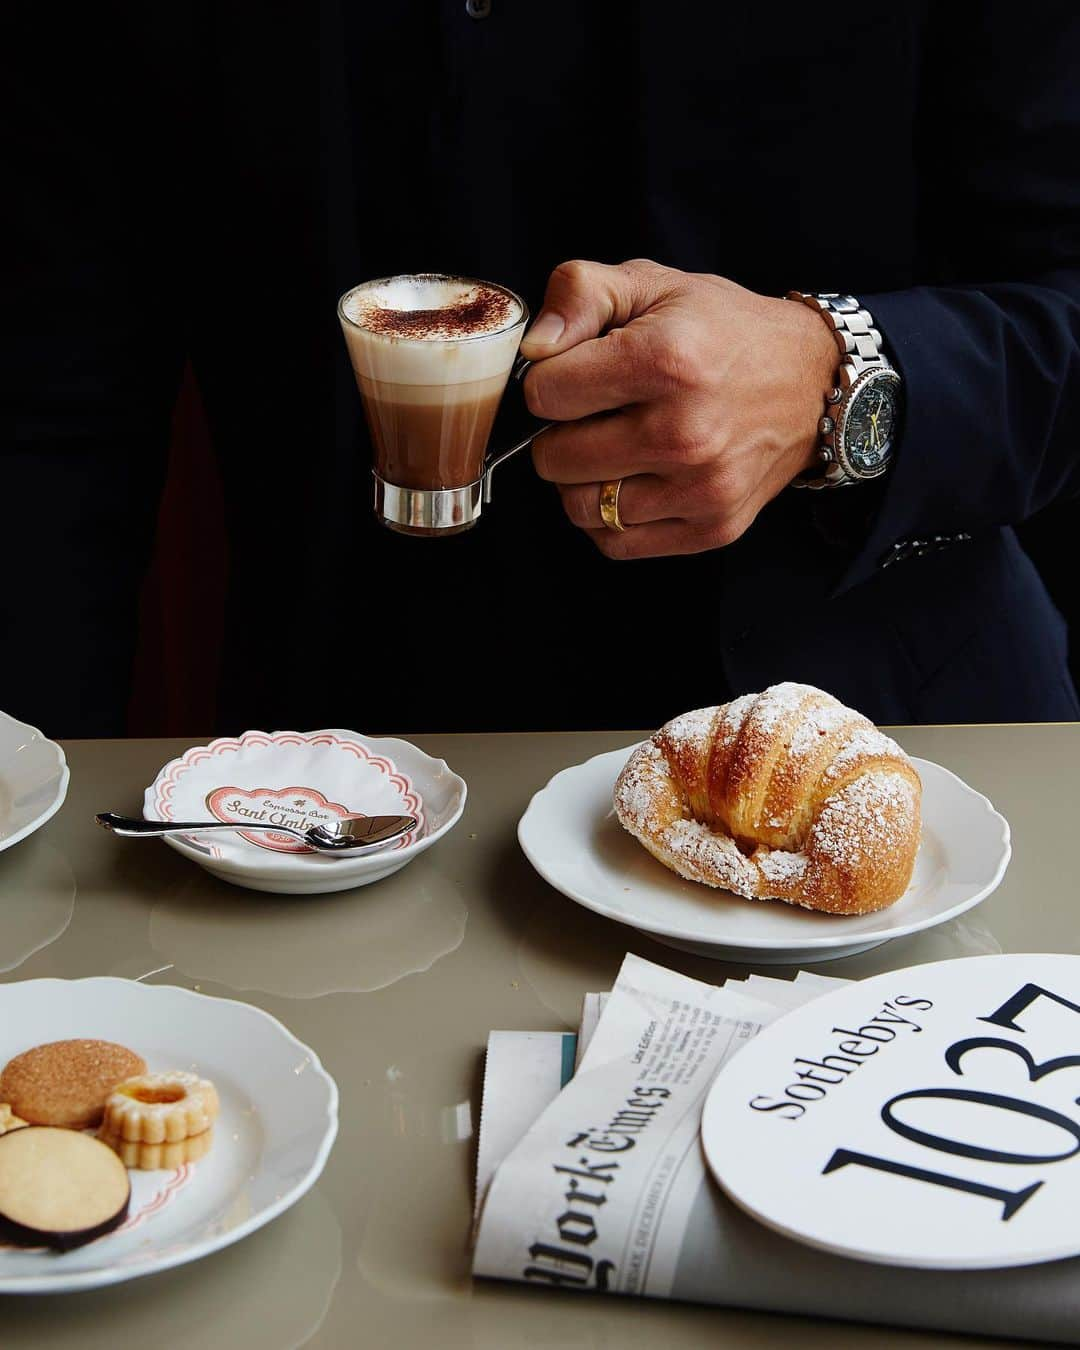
834 395
826 455
826 425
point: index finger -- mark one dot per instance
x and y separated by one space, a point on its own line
598 375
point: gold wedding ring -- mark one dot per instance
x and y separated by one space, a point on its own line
609 504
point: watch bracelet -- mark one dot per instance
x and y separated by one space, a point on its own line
859 344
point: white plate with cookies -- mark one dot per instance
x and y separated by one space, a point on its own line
145 1126
867 790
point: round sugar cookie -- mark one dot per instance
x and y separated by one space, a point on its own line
65 1083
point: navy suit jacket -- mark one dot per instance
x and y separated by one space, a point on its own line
199 182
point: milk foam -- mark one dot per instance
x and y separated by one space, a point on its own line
485 351
407 295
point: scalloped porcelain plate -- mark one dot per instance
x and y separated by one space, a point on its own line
303 779
33 780
277 1123
571 836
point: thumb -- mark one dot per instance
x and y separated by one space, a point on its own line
584 299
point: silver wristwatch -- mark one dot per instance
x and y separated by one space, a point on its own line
862 414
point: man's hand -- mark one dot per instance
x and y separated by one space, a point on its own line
702 396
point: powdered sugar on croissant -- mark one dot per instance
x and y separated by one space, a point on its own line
787 794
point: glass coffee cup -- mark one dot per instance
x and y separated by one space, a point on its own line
432 354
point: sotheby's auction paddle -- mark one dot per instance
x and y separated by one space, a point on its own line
925 1117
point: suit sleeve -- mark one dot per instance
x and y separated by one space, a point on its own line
989 347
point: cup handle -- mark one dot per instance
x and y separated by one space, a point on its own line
521 366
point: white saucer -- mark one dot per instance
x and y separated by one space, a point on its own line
33 780
277 1123
310 777
571 836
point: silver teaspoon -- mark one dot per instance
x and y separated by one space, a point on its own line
346 838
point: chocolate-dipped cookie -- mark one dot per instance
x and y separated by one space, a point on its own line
59 1188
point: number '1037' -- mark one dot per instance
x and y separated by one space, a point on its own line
1008 1017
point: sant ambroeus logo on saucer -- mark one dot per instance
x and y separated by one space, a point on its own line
299 808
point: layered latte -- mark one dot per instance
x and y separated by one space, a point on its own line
431 354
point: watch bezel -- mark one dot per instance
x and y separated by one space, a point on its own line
853 392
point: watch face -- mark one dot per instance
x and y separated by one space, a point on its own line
871 424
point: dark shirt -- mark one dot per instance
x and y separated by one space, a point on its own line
201 182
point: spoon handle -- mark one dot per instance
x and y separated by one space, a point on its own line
131 827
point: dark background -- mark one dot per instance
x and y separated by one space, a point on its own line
1050 539
182 616
204 143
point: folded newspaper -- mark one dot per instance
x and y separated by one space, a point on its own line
591 1175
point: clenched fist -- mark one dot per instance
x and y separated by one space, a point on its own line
702 396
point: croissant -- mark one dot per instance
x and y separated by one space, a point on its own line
787 794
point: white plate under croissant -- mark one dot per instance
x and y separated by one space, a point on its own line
573 838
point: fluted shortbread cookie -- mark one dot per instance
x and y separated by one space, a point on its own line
160 1108
9 1120
151 1157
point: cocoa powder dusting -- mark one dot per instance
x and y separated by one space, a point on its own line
482 310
